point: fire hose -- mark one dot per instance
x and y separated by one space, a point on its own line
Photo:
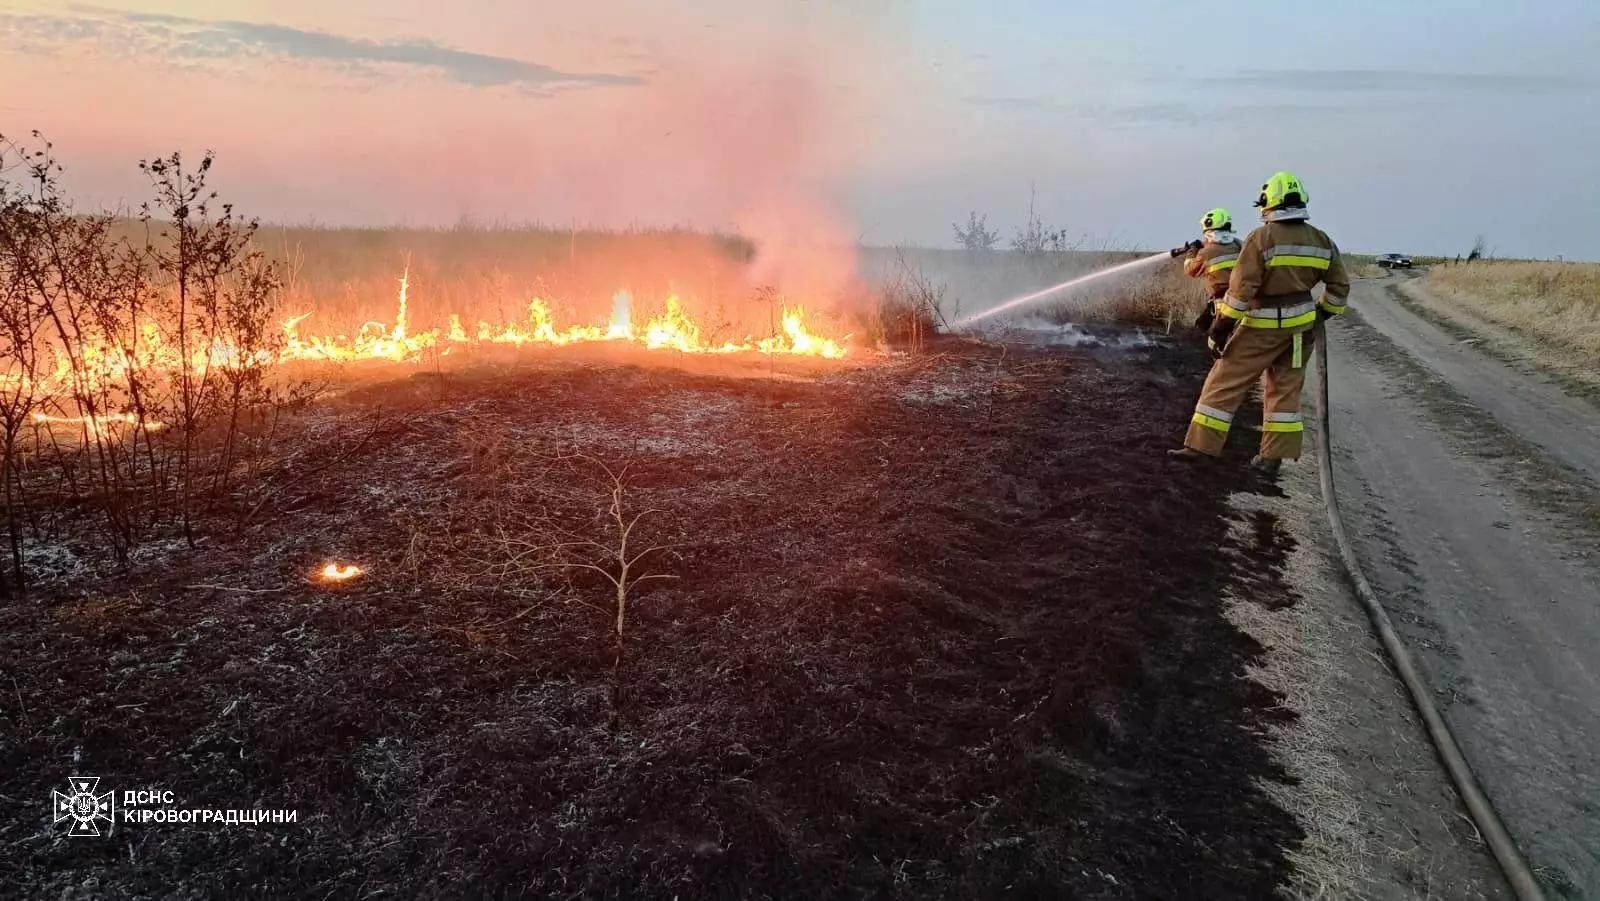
1517 874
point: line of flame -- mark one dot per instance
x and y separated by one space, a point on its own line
110 363
673 329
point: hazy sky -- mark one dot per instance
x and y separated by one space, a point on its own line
1416 125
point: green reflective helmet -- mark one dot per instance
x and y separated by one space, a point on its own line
1283 189
1218 219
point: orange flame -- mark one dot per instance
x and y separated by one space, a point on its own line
673 329
339 572
109 362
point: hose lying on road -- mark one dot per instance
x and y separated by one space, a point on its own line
1515 868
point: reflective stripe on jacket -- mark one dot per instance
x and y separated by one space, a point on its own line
1215 263
1294 315
1279 264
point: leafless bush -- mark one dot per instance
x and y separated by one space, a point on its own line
22 322
218 298
1036 238
572 516
910 307
142 360
65 280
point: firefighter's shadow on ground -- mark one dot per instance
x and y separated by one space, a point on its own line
1257 544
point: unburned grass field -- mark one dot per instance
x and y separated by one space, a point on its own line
943 625
1555 302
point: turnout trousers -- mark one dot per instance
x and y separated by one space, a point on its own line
1278 357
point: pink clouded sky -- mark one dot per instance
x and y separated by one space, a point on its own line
643 116
882 120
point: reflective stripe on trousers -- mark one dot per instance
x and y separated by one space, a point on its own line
1212 418
1254 356
1283 422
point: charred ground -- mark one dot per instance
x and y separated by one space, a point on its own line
942 627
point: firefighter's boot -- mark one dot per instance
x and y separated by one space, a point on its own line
1267 466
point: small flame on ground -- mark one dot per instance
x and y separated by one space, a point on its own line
339 572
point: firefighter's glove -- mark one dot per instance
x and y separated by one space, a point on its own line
1207 317
1221 330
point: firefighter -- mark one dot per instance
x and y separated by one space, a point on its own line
1264 326
1213 260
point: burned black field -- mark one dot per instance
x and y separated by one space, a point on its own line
946 626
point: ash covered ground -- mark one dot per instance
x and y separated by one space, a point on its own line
946 625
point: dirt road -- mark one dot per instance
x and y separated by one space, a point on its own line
1474 493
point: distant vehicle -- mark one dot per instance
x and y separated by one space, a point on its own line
1394 261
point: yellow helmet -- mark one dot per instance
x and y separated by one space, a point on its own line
1218 219
1283 189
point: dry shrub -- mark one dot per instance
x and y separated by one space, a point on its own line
1556 302
1162 295
136 361
574 516
910 308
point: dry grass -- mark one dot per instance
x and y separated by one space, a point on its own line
910 308
1380 819
346 276
1556 302
1162 295
1362 265
1334 861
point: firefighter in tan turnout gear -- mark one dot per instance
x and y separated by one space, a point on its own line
1264 324
1213 261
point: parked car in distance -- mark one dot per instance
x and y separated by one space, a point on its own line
1394 261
